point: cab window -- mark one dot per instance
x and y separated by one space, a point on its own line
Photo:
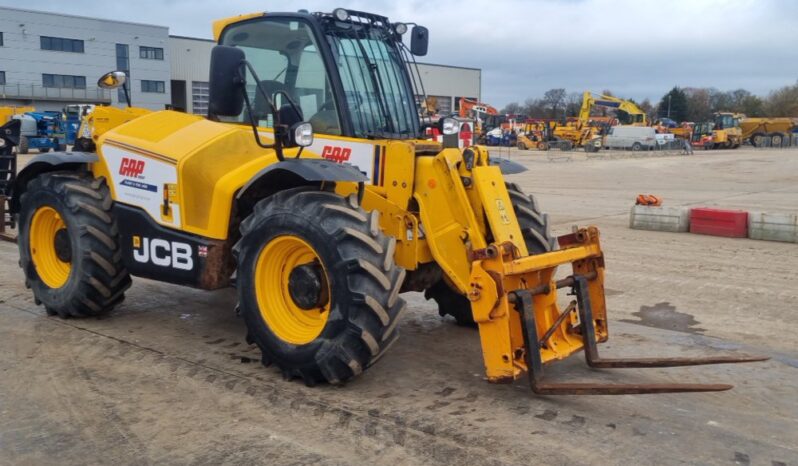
285 56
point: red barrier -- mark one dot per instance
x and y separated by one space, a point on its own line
717 222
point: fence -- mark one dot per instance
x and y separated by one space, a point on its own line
34 92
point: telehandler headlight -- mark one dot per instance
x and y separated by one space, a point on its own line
449 126
340 14
302 134
400 28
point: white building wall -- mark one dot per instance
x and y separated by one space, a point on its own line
24 61
448 83
190 63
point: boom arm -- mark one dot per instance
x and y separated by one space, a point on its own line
588 101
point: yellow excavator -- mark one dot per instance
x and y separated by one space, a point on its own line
310 188
586 132
628 113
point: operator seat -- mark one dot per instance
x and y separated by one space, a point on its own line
325 121
261 107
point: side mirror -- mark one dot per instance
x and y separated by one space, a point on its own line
112 80
419 41
226 82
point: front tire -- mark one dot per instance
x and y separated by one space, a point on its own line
317 285
69 245
537 236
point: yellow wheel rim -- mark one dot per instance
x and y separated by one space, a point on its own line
286 320
44 226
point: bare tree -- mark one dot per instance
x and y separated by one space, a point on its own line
513 108
573 104
554 99
783 102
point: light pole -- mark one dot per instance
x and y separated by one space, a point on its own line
669 106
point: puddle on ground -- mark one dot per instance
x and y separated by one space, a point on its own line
665 316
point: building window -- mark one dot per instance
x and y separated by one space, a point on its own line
2 78
64 81
123 64
60 44
153 86
199 97
151 53
1 39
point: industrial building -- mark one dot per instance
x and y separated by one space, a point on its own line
50 59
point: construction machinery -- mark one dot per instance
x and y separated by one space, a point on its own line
73 116
318 194
539 135
759 130
43 131
478 112
726 133
9 138
628 113
6 113
701 135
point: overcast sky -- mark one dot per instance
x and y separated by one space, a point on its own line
636 48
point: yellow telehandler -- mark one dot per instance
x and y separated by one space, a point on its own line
309 188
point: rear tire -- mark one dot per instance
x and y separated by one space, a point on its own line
758 139
776 139
336 334
70 254
537 236
637 147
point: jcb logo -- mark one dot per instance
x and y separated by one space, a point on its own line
336 154
131 168
163 253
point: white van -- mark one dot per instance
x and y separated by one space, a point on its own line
631 137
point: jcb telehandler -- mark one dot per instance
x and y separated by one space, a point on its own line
309 188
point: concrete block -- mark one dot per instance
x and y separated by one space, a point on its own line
773 226
658 218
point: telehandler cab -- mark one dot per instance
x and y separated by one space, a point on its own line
310 183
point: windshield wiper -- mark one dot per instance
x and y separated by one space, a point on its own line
375 81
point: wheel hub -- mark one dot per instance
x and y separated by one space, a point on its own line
307 287
62 245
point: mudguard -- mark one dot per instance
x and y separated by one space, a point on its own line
9 134
45 163
508 167
311 170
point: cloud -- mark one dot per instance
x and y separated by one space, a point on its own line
636 48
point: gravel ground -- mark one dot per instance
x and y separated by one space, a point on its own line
167 378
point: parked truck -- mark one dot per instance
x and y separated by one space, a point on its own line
758 130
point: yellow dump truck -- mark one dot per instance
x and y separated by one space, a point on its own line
756 130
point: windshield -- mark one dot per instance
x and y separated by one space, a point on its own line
726 121
286 58
379 95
